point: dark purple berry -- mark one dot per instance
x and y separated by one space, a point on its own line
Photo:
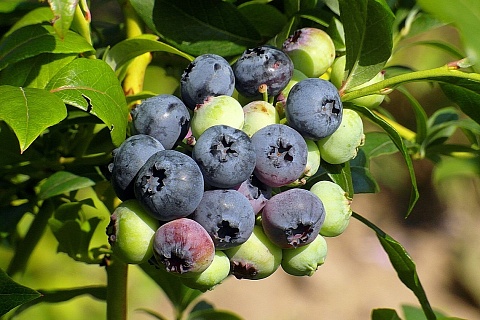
227 216
314 108
281 154
256 192
169 185
263 65
163 117
206 76
127 161
225 155
293 218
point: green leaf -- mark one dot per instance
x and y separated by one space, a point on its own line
341 175
267 19
378 144
74 231
362 179
36 71
32 40
62 295
62 182
213 314
398 141
466 96
441 45
420 116
13 294
368 38
403 265
92 86
63 11
35 16
152 313
29 111
180 295
385 314
121 53
455 167
465 16
204 26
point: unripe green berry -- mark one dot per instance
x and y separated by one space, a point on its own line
131 232
304 261
258 114
257 258
224 110
337 207
311 50
218 271
342 145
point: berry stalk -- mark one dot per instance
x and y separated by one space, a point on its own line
117 276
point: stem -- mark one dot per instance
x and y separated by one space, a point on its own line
26 246
386 85
81 24
135 73
117 278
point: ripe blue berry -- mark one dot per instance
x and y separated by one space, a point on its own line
127 161
225 156
169 185
293 218
314 108
281 154
263 65
165 117
183 247
208 75
227 216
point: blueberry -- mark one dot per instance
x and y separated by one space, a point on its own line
130 232
165 117
169 185
183 247
311 50
255 259
314 108
225 156
127 161
305 260
293 218
256 192
281 155
263 65
227 216
208 75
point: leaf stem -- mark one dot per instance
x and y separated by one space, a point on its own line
117 278
26 246
436 74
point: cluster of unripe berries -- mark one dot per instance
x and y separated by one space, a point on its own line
211 188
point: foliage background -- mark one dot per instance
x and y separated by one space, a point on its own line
440 234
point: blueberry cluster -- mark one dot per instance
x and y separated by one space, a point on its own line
212 187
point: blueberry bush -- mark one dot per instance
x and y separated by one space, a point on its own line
200 140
